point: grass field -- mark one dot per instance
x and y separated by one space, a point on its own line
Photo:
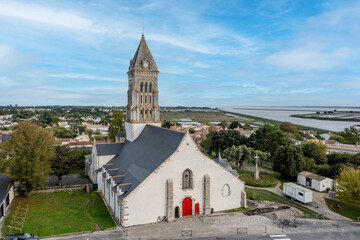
200 116
346 210
63 212
265 195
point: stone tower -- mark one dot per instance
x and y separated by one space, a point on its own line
143 105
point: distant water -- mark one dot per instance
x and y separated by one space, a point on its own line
283 114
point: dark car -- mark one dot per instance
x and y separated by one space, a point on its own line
22 236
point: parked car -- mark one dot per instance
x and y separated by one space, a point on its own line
22 236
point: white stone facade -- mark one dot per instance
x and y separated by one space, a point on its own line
148 202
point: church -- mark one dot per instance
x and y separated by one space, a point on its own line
155 174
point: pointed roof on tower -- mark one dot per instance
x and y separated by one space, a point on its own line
141 56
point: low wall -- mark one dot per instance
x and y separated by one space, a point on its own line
63 188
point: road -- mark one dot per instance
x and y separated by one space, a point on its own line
343 233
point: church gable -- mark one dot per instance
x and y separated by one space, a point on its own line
188 172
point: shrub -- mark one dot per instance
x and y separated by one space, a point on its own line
263 181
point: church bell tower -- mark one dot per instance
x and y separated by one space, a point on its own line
143 105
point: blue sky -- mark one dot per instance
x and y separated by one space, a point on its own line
209 53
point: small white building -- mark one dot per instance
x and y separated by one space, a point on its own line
297 192
314 181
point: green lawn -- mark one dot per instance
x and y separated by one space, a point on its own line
265 195
346 210
63 212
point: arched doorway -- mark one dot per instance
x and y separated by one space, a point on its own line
196 208
177 212
186 207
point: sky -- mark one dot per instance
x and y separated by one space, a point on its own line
209 53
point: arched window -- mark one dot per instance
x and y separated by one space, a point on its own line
187 179
150 87
145 99
145 87
141 87
149 99
141 99
226 190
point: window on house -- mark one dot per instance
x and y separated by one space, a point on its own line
141 87
141 99
145 99
146 87
149 99
150 87
187 179
301 194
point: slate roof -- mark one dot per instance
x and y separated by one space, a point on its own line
4 137
5 183
226 165
138 159
223 163
108 148
312 175
142 53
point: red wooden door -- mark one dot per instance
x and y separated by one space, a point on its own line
186 207
197 208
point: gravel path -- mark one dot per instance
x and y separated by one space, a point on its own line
318 205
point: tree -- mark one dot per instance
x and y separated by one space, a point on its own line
74 120
167 124
61 132
60 163
117 124
234 125
226 139
268 138
317 151
224 124
349 184
289 127
47 118
26 155
289 161
351 135
191 131
242 153
338 138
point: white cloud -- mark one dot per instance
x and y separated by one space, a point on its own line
46 15
9 57
4 52
5 81
86 77
300 59
105 88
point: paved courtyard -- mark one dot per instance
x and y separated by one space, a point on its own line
224 226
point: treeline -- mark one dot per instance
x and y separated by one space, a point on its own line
275 144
